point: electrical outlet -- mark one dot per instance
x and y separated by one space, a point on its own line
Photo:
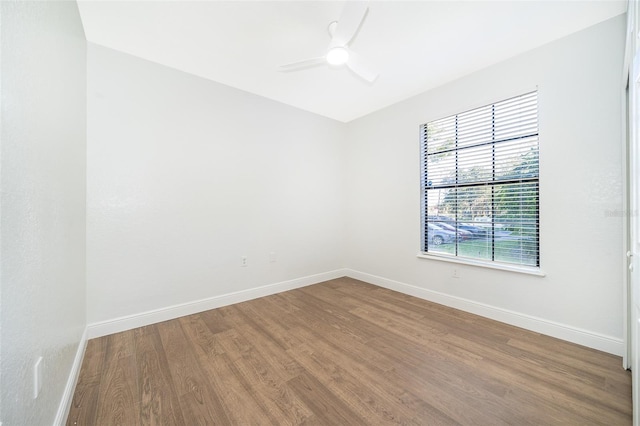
37 377
456 273
243 261
272 257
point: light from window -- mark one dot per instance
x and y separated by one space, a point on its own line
480 172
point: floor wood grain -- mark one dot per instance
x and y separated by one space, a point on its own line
345 352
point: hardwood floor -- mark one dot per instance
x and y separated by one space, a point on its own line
345 352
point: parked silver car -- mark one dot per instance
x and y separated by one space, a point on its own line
438 235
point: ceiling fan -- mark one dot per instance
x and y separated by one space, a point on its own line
338 53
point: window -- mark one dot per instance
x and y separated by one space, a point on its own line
480 184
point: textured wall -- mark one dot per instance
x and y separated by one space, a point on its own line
42 216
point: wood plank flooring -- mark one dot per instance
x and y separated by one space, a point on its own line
345 352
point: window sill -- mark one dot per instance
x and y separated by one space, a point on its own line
491 265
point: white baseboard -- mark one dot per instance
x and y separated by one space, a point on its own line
129 322
72 380
609 344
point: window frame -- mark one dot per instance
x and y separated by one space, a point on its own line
494 183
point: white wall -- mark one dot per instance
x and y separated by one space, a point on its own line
42 215
185 176
579 83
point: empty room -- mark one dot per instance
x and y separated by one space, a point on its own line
319 212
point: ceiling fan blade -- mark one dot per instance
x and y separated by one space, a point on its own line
299 65
361 68
350 20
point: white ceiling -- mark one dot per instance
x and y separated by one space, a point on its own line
415 45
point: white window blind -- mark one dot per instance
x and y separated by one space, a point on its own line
480 172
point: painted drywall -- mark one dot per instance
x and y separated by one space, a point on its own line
186 176
579 84
42 181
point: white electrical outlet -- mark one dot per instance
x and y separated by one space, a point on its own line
456 273
37 377
272 257
243 261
